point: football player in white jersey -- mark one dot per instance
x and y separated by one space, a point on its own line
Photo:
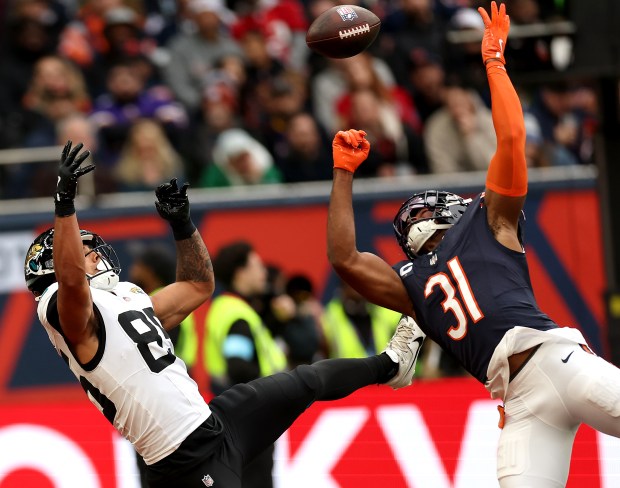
113 337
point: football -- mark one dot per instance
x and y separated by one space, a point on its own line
343 31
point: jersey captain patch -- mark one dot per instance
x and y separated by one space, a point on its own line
405 269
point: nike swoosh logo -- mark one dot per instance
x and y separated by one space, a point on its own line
420 341
565 360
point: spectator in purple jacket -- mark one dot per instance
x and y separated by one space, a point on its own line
128 100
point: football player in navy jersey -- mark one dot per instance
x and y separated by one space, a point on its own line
466 283
113 337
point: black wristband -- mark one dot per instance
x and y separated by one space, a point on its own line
182 230
64 208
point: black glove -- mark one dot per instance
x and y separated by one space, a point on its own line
68 173
173 205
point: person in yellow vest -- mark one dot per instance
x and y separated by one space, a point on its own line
239 347
354 327
291 322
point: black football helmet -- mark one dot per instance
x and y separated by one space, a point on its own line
39 266
412 233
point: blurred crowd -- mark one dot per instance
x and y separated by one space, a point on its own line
226 92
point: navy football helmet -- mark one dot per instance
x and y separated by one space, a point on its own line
412 233
39 266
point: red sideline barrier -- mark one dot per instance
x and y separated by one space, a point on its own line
439 434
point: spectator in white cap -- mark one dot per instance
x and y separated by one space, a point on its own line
463 50
239 159
193 55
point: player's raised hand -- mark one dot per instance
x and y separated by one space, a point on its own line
350 149
173 205
68 173
495 33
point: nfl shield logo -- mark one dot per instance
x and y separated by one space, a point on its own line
207 480
346 12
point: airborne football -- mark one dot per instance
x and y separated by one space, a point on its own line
343 31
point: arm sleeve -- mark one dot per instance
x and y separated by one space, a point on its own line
507 174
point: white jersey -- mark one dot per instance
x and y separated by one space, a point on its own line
135 379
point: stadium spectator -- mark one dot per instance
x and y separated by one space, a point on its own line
57 90
330 84
147 158
460 136
305 343
219 111
301 156
79 127
360 75
560 125
282 24
31 32
164 19
462 59
123 31
127 100
291 323
527 54
278 100
83 38
194 54
399 150
426 80
411 26
262 69
239 159
38 179
537 153
123 37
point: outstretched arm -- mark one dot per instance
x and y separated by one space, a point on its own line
194 279
367 273
506 184
75 306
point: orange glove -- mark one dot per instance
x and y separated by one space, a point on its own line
350 149
495 33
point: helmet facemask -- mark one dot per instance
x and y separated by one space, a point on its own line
412 233
108 268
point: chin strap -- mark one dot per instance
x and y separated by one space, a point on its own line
106 279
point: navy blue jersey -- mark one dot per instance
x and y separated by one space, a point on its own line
471 290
